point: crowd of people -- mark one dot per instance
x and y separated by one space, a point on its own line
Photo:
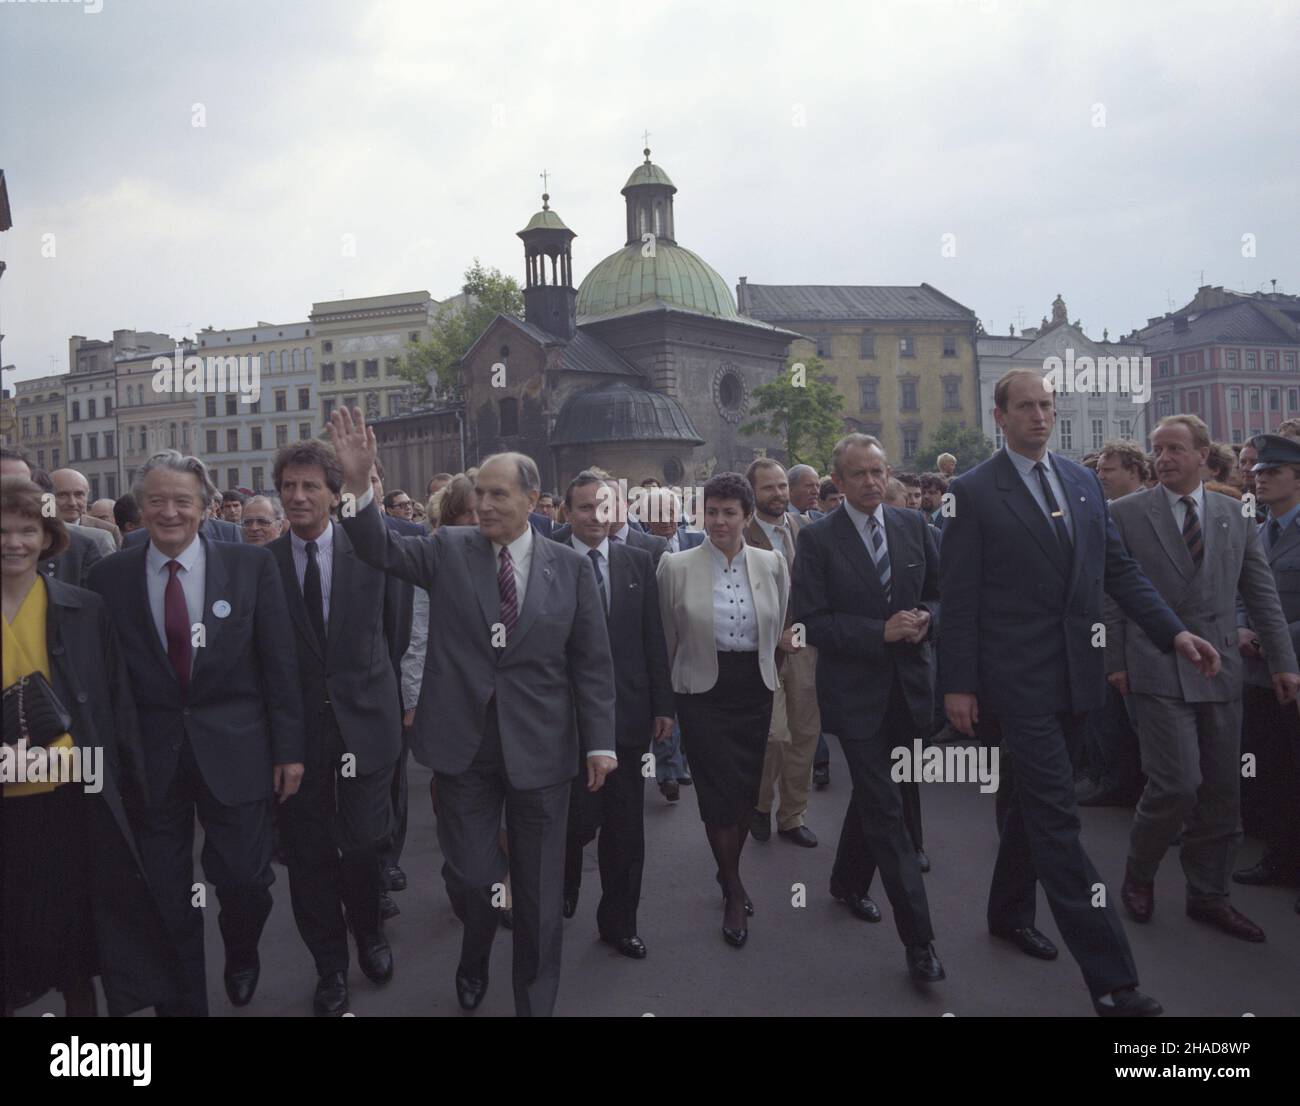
1121 630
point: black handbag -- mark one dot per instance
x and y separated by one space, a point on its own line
34 712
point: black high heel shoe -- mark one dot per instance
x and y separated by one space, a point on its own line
749 906
736 938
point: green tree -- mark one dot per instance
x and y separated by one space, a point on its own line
802 410
457 326
967 443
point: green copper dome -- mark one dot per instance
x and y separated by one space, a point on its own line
648 173
674 275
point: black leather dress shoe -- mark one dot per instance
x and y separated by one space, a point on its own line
395 878
241 980
923 860
375 957
736 938
923 964
1263 874
570 904
1029 941
821 776
1129 1003
470 989
331 999
670 791
860 905
632 947
760 826
801 836
388 908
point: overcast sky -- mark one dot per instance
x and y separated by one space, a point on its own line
820 143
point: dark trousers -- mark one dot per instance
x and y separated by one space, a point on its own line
236 860
1274 731
1111 747
392 851
617 812
333 830
822 757
874 834
1039 826
469 820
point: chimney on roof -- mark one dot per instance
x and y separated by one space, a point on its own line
742 296
1180 324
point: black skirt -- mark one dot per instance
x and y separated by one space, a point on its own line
724 734
48 932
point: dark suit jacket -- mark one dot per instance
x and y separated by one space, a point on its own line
399 601
1018 620
88 675
73 565
643 689
550 682
688 539
541 523
217 529
354 671
636 538
838 598
1284 561
240 714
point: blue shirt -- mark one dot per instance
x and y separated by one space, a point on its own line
1025 467
1285 521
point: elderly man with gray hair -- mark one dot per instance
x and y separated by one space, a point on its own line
262 520
805 485
209 650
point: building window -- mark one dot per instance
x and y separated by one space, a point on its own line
1232 358
94 488
40 459
93 441
327 409
130 439
1293 399
1191 402
54 422
907 346
232 439
1162 367
304 399
372 405
54 458
281 435
231 408
869 399
108 444
391 366
259 475
1236 436
1252 361
306 358
27 426
281 400
110 485
907 395
90 409
171 436
1126 429
295 360
1098 433
1270 362
108 406
951 393
76 448
509 417
327 347
1234 399
232 478
255 408
76 411
327 372
950 345
370 368
350 402
1255 399
910 436
349 370
210 406
304 431
866 346
999 439
1289 361
1274 399
823 345
1067 435
185 436
211 441
394 403
415 336
255 437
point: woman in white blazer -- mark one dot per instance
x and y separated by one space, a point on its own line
723 606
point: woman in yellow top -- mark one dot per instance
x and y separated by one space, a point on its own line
75 903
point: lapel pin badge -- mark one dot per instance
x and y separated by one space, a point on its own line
221 608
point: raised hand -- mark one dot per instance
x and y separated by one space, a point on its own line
354 444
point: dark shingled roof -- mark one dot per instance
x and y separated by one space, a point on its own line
584 353
1241 322
792 303
622 412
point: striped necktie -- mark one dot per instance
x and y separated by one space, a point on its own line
879 553
1192 531
506 586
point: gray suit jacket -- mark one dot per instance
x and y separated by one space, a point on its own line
102 538
1205 599
552 681
1284 560
73 565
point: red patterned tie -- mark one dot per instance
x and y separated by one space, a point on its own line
176 621
506 586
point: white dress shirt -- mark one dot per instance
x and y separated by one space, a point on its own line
521 556
735 625
861 525
324 559
1179 508
193 560
1025 466
674 545
603 550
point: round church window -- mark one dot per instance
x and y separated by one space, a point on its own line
673 470
730 391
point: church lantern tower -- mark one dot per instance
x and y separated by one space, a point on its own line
549 303
649 195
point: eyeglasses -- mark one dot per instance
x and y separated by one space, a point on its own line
256 522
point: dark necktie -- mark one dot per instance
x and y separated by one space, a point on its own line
311 594
1274 533
879 553
594 554
1054 509
176 621
1192 531
506 586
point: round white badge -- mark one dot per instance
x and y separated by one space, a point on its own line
221 608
